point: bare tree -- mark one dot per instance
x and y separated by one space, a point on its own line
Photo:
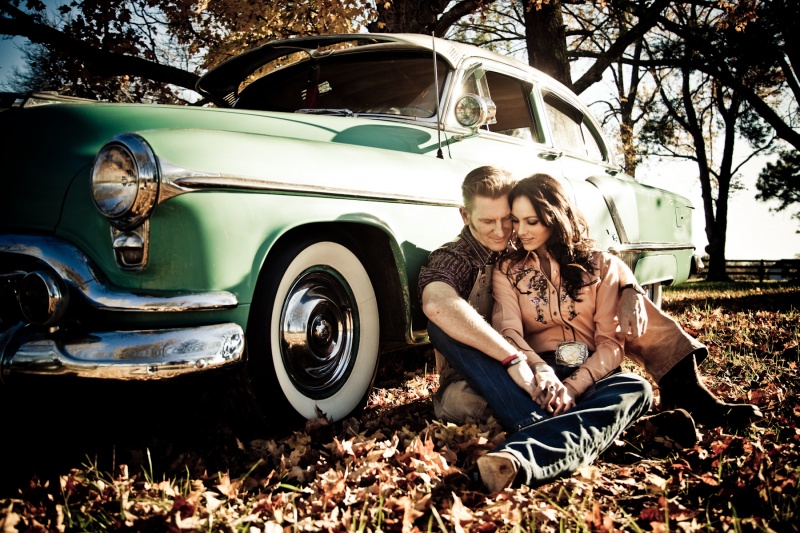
594 29
703 118
762 35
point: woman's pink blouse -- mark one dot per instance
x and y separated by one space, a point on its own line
542 314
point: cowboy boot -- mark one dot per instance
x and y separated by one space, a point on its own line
676 425
681 388
498 470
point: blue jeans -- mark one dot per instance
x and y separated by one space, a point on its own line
549 446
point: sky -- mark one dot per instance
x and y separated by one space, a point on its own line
754 232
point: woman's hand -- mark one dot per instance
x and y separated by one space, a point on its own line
551 394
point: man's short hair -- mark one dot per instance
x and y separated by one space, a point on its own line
488 181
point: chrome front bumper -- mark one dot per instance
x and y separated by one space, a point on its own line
122 355
44 347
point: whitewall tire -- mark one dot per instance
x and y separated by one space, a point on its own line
323 330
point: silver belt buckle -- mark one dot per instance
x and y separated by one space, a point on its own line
571 353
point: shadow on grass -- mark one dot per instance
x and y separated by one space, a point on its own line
53 425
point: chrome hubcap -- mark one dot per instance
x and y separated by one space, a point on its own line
319 332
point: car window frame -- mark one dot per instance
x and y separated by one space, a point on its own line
587 119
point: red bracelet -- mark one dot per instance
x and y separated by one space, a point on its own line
513 359
509 359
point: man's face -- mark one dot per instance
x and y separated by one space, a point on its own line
489 221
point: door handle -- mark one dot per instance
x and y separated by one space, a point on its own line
550 155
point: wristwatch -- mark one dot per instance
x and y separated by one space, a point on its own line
635 286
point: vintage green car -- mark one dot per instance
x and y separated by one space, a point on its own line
281 231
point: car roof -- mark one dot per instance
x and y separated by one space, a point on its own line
220 84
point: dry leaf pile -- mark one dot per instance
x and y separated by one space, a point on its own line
395 468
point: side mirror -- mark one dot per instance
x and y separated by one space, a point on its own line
473 111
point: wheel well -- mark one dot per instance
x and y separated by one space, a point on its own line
373 249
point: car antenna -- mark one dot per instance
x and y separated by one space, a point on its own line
436 88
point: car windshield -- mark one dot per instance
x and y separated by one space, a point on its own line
397 83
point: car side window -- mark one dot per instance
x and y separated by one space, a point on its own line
572 131
513 100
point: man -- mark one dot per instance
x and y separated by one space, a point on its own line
455 289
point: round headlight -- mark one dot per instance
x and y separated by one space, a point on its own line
125 181
114 181
468 111
472 111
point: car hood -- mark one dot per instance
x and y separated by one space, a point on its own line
207 141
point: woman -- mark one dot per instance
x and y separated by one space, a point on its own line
557 290
556 299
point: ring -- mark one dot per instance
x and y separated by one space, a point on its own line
551 387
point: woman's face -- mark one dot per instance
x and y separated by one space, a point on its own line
532 233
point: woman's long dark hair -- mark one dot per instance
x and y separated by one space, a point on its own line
569 242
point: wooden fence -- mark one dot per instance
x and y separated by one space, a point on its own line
779 269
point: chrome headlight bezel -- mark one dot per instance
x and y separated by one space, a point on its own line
473 111
125 161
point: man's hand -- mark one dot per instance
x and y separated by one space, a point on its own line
572 398
632 316
522 375
550 393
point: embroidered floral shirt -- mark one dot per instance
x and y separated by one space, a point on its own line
538 314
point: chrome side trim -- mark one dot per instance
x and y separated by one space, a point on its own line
76 269
177 180
644 247
240 182
129 355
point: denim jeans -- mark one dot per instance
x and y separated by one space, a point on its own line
549 446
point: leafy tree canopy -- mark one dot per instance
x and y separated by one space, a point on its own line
781 181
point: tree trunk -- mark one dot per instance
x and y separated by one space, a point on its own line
716 253
716 221
729 109
627 104
716 225
546 39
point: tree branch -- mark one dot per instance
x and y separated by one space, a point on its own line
646 21
717 68
454 14
106 63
